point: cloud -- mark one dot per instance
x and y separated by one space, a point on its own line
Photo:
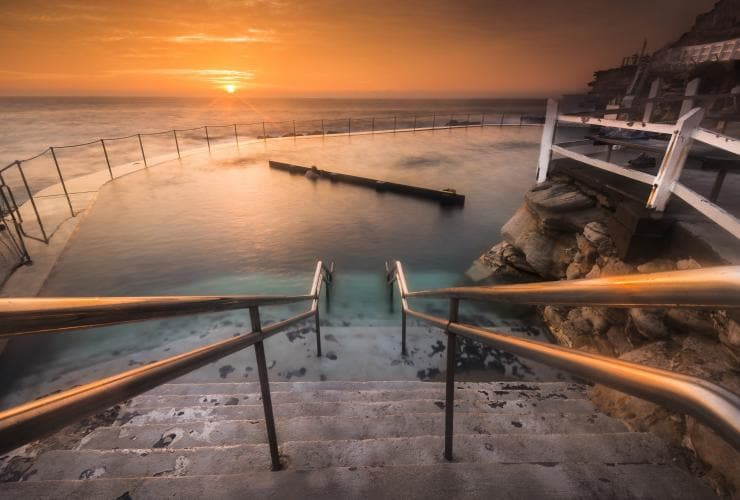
253 35
219 77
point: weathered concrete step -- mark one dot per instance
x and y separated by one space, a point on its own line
484 481
435 391
422 450
141 416
342 385
190 434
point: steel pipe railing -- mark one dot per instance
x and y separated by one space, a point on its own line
718 287
43 416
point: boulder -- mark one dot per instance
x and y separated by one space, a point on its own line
717 453
597 233
656 266
558 197
648 322
549 257
691 321
685 264
615 267
619 340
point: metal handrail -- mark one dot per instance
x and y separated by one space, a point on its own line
46 415
718 287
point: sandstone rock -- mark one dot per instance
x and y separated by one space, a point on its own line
558 197
554 316
638 414
715 452
685 264
619 340
572 221
595 272
615 267
585 248
648 322
502 260
597 317
547 256
688 321
597 233
656 266
576 270
730 337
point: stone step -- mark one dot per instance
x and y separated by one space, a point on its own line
484 481
422 450
435 391
226 432
342 385
228 411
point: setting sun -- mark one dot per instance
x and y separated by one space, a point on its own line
230 88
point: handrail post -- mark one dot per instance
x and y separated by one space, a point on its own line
208 139
264 134
236 136
372 129
414 123
323 132
141 146
177 144
349 126
404 352
467 121
293 129
395 122
501 123
259 350
548 136
61 178
434 120
318 329
482 120
450 379
33 202
107 161
452 118
674 159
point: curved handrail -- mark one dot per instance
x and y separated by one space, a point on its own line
714 405
715 287
32 420
25 316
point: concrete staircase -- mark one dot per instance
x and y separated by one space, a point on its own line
360 439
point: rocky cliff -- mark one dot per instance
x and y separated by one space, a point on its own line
561 232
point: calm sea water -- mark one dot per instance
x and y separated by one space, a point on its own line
28 125
225 223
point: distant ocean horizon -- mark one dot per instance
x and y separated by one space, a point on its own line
29 124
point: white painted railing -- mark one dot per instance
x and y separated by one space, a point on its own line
666 181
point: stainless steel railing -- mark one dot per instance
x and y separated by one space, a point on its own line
716 288
30 316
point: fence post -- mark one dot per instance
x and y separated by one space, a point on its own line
548 135
674 159
259 351
264 134
650 105
64 186
33 203
450 380
107 161
691 90
141 146
208 139
177 144
236 136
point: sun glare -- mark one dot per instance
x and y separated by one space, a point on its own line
230 88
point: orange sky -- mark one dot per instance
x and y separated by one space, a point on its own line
346 48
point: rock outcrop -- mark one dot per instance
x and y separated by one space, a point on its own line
561 232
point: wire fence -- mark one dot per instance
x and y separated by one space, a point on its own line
41 192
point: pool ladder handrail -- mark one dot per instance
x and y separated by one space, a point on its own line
32 316
715 288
